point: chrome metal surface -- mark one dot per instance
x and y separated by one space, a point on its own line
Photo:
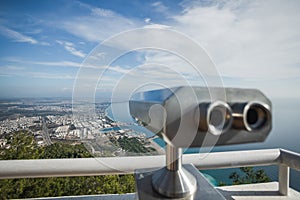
173 158
125 165
204 189
256 191
251 116
184 118
173 180
215 117
284 179
174 183
289 158
187 115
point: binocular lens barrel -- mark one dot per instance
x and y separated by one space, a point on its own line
218 117
192 118
251 116
215 117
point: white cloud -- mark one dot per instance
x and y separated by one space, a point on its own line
16 36
99 24
159 7
70 47
50 75
5 75
45 63
160 26
247 39
253 43
11 67
96 10
147 20
60 63
88 64
35 74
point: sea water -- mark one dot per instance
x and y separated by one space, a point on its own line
285 134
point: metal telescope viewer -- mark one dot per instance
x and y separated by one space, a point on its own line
188 117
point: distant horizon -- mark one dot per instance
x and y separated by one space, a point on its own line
98 100
281 99
63 59
254 44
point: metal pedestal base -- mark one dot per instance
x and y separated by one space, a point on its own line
145 190
184 183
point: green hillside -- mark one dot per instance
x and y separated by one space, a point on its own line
23 146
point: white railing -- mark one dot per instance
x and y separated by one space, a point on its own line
123 165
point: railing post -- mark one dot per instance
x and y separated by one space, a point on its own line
284 179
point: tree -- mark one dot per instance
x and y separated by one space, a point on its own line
250 176
23 146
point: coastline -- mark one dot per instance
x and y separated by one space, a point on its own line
214 176
157 147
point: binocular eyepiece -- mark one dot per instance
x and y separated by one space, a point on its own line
191 119
251 116
218 117
215 117
188 117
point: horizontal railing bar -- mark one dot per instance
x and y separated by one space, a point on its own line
290 159
76 167
233 159
125 165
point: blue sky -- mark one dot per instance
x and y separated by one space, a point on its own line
43 43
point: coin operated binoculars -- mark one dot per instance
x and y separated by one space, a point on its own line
188 117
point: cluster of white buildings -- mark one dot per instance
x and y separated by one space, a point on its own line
68 127
22 123
71 127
